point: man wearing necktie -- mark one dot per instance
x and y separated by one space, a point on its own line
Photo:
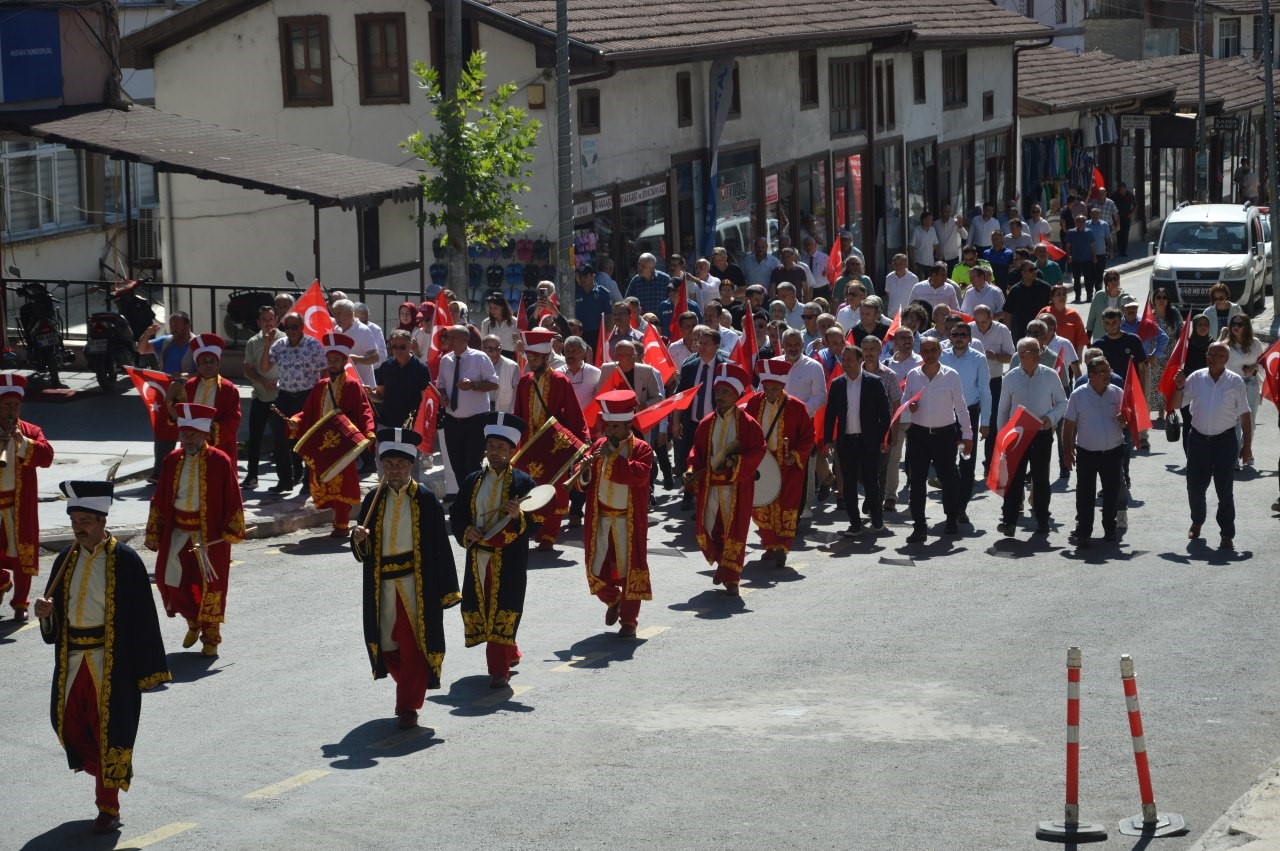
697 371
466 377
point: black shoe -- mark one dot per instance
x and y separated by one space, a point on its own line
854 530
952 527
1109 536
1007 529
1042 528
282 487
918 536
250 483
823 492
963 517
686 502
1080 542
668 484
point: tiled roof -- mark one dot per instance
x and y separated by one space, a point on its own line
1057 80
1242 7
961 22
1235 84
185 146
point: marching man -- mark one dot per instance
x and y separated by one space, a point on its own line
617 525
196 515
209 388
98 613
487 520
727 448
789 438
24 449
409 577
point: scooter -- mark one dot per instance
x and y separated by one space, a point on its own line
112 335
40 321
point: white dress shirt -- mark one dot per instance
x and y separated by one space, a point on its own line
988 295
365 341
728 339
853 404
1040 393
1216 406
948 294
807 381
504 398
941 403
584 382
475 365
980 230
997 340
897 292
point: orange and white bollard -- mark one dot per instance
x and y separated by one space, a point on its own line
1070 829
1149 822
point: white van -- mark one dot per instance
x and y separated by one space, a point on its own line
1202 244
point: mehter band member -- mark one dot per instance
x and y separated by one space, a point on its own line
24 449
789 439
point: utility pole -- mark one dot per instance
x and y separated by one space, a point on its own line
1268 60
1202 149
564 166
456 250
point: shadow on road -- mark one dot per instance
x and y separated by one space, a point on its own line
377 739
548 559
601 650
72 834
1199 552
763 573
471 696
188 667
712 604
313 544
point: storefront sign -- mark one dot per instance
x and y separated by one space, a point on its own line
582 211
735 191
30 55
648 193
1135 122
603 204
771 189
1226 124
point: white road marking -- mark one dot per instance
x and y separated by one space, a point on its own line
288 784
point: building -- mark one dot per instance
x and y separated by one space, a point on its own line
1065 17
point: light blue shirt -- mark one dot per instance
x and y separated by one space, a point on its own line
1040 393
1100 230
975 379
1155 344
757 271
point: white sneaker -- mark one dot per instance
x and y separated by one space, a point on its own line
1122 519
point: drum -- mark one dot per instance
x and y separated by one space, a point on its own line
768 482
549 454
331 445
535 500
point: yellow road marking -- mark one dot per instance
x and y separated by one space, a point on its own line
580 661
31 624
401 737
650 632
286 785
156 835
502 696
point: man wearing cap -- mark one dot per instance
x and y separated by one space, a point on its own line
409 576
727 449
196 515
209 388
487 521
336 392
23 449
616 482
99 614
788 438
542 394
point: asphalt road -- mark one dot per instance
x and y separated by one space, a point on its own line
866 697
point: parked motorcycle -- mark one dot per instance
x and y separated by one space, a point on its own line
112 335
41 324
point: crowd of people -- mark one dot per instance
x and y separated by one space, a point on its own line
744 389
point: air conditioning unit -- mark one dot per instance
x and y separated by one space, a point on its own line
146 235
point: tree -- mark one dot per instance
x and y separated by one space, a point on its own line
479 160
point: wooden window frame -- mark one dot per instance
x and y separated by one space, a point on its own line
838 69
988 105
810 93
735 102
886 108
587 96
286 26
684 99
948 101
919 87
398 19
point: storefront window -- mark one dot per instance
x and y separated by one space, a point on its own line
736 201
848 197
990 159
889 238
642 221
778 198
814 210
921 177
690 208
953 178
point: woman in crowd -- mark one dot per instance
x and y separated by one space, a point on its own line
1170 321
500 322
1243 352
1221 309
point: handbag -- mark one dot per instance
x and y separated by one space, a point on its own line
1173 427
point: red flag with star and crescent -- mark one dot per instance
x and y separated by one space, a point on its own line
1177 360
656 354
314 310
424 421
1055 253
893 327
654 414
153 386
1270 363
1134 404
1011 444
679 307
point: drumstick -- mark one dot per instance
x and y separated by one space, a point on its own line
369 514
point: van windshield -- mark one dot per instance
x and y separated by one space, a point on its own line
1204 238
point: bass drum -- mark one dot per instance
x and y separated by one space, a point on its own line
768 482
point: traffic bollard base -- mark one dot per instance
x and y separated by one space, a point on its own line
1166 824
1061 831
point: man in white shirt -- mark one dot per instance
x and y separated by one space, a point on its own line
972 369
504 397
936 405
584 377
728 337
816 259
681 350
758 265
364 354
981 291
951 237
465 379
1218 401
937 289
1038 389
997 345
924 244
898 285
807 381
981 228
1037 226
708 284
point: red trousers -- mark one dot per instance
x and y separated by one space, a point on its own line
11 574
500 658
407 666
81 731
341 515
628 610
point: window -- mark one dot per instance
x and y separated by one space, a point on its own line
588 111
1228 37
384 67
735 102
684 99
955 79
848 78
917 78
304 61
44 188
145 193
470 41
808 79
988 105
886 108
1060 11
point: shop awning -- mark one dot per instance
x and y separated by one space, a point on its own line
180 145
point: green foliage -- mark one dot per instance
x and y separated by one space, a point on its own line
479 156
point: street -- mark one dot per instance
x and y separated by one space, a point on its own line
870 695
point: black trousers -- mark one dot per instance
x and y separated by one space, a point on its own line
464 438
989 445
1122 236
1082 276
291 403
260 417
1212 458
1091 467
1035 460
859 458
935 446
965 467
1095 280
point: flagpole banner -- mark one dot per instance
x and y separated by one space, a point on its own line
721 97
1011 444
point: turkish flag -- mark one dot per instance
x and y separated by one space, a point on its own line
424 422
1134 405
654 414
1011 445
739 356
835 262
1270 363
316 321
522 318
602 344
1060 365
656 354
615 381
444 313
893 327
153 387
1177 360
1055 253
750 343
1147 327
897 415
680 307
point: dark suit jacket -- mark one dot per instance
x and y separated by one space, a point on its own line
689 377
873 408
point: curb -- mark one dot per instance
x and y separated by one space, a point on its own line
1252 822
261 527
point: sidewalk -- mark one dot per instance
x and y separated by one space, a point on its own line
1252 823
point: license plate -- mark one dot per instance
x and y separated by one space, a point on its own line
1194 290
95 347
46 340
